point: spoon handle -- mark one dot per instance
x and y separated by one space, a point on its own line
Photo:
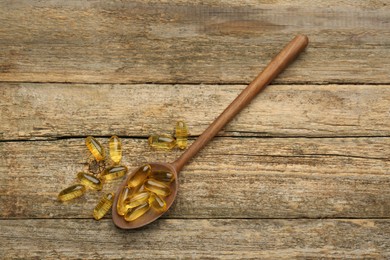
277 65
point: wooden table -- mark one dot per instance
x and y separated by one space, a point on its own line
303 172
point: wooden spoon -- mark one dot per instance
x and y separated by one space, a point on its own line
277 65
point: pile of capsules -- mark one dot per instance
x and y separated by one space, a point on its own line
145 190
168 142
100 174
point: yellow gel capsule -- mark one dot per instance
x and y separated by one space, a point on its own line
157 203
157 187
113 172
164 142
90 181
140 176
95 148
134 213
72 192
125 194
163 176
137 199
115 149
181 133
103 206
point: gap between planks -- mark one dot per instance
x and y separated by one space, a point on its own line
194 83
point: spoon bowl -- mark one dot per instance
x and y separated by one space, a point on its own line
277 65
150 215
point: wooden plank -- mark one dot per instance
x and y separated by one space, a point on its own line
46 111
182 41
230 178
179 238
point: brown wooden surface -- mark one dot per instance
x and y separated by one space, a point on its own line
303 172
231 178
32 111
192 238
183 41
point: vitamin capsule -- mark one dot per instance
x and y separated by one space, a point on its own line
157 187
140 176
165 142
72 192
95 148
157 203
89 181
163 176
137 199
115 149
181 133
125 194
103 206
134 213
113 172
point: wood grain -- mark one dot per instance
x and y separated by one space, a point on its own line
47 111
278 64
303 172
194 239
191 41
230 178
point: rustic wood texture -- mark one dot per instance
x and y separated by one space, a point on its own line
191 42
234 177
303 172
49 111
193 239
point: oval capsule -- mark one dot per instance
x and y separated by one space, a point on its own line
134 213
157 187
115 149
95 148
125 194
72 192
157 203
139 176
163 176
113 172
181 133
103 206
137 199
164 142
90 181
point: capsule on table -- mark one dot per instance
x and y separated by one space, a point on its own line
72 192
157 203
137 199
95 148
125 194
113 172
134 213
164 142
89 181
115 149
157 187
139 176
103 206
163 176
181 133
